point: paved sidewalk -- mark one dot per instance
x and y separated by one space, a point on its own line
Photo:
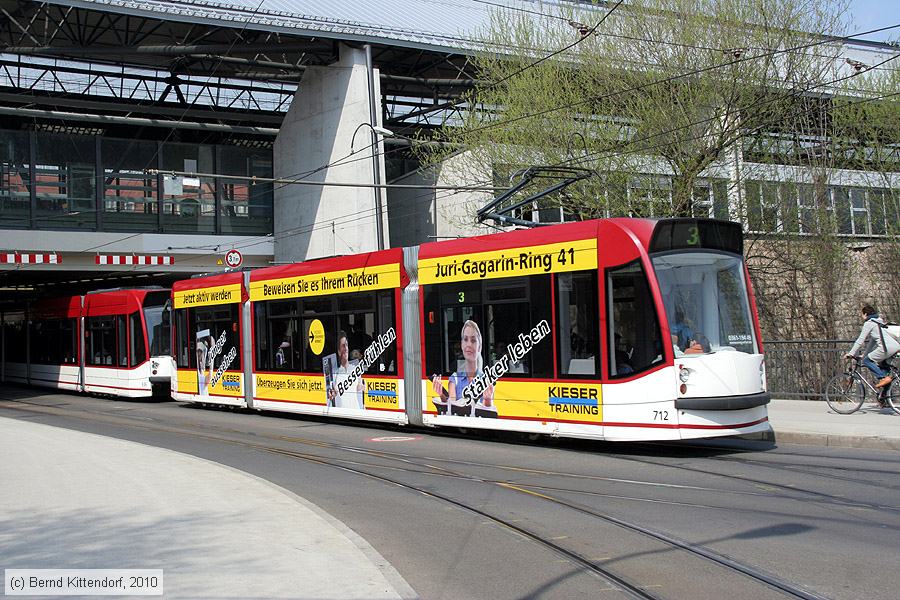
73 500
811 422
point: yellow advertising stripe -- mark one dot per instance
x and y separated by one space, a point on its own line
225 294
377 277
540 400
577 255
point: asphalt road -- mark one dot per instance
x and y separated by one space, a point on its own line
483 517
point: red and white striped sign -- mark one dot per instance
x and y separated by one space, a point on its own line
29 259
130 259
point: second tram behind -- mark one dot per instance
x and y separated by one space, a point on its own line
618 329
111 342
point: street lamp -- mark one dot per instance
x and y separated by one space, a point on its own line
376 174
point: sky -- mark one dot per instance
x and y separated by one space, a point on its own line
871 14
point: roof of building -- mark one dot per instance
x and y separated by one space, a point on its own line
432 24
448 25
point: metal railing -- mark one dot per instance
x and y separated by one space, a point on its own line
799 369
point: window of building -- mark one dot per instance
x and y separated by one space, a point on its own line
129 192
859 211
189 202
15 180
808 212
877 202
245 205
64 177
840 208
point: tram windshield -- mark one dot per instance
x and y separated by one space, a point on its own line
157 314
706 301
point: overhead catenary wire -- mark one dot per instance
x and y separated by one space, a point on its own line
455 189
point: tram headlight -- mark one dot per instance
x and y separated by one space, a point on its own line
684 373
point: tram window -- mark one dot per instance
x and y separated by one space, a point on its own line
68 341
312 362
387 362
633 336
278 337
157 316
122 342
14 337
101 340
511 306
356 302
138 349
361 316
182 339
219 322
577 325
49 341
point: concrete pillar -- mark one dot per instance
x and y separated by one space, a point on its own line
422 215
314 145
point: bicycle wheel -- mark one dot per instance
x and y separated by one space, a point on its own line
892 396
845 394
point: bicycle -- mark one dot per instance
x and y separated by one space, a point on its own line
845 393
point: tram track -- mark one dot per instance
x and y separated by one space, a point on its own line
410 466
821 496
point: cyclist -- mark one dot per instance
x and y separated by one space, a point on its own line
885 345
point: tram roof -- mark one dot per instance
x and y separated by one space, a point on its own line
642 229
208 281
115 301
66 307
332 264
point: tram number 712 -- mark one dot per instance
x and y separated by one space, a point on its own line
660 415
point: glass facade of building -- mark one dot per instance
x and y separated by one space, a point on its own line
88 182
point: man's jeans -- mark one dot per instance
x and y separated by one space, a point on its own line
875 368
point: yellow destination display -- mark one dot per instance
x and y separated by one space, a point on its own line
225 294
577 255
542 401
377 277
231 384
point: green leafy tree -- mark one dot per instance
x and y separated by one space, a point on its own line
664 87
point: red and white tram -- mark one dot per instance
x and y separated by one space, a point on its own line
113 342
620 329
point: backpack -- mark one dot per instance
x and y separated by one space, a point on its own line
892 329
890 336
